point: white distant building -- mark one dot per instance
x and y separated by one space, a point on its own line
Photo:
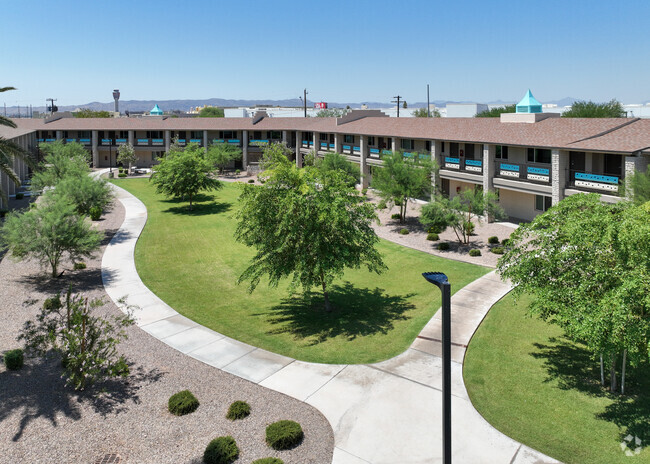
465 110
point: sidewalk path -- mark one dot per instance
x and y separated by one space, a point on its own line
383 413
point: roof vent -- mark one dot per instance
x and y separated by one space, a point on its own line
529 104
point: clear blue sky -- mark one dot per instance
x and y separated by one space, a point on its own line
354 50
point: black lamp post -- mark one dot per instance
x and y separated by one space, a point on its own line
110 155
440 280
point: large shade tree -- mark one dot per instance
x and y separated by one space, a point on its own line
185 173
306 225
587 265
60 160
589 109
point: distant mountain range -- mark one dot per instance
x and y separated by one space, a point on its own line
185 105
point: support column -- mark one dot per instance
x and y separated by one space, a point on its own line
363 156
436 158
285 138
132 137
298 145
244 149
316 141
59 135
559 166
632 164
394 144
95 148
168 136
489 152
337 143
205 140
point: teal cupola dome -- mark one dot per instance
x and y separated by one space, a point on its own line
156 111
529 104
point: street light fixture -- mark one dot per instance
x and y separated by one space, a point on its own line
441 281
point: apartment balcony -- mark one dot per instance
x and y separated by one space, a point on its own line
470 166
259 143
307 144
121 141
526 172
598 183
85 141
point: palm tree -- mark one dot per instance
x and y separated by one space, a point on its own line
9 151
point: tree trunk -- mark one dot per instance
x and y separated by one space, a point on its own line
328 307
623 373
190 201
602 371
612 384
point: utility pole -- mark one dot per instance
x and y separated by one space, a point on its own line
304 102
428 104
51 100
397 101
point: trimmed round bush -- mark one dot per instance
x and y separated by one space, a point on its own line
506 242
444 246
284 434
498 250
183 402
404 231
221 450
251 181
494 240
364 192
382 204
95 213
432 237
268 461
53 302
14 359
121 174
434 230
475 252
238 410
78 266
395 216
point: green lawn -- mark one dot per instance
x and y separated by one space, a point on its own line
539 388
191 261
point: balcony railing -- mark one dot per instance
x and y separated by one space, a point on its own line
121 141
525 172
594 182
143 142
258 143
107 142
85 141
70 140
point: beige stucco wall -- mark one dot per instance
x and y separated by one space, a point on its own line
518 205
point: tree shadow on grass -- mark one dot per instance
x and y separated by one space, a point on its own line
573 367
199 207
37 391
358 312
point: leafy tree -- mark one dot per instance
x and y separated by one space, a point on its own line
422 113
587 265
184 173
401 179
333 161
589 109
497 111
639 183
220 155
60 160
332 112
307 226
461 212
85 193
405 105
88 113
9 151
86 343
48 232
126 155
211 112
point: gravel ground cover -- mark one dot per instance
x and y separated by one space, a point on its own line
41 421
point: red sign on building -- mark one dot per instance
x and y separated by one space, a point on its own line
320 105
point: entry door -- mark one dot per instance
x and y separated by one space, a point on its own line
613 164
576 163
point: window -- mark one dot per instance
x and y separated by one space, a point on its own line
407 144
154 135
256 135
348 138
453 149
83 134
542 203
275 135
227 134
196 134
501 152
427 145
469 150
539 155
442 147
323 137
371 141
124 135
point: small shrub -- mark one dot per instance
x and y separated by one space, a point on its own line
432 237
434 230
95 213
53 302
475 252
494 240
121 170
221 450
506 242
404 231
284 434
268 461
20 196
469 227
251 181
498 250
14 359
444 246
395 216
121 174
382 204
238 410
364 192
237 172
3 213
78 266
183 402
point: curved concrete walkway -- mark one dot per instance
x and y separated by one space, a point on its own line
388 412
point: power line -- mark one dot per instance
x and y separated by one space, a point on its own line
397 101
